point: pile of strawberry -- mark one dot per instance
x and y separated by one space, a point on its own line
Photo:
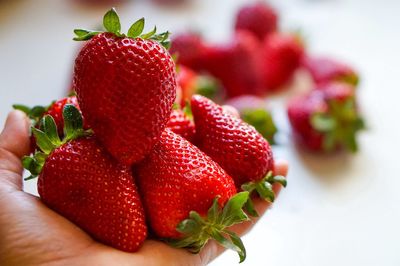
261 60
120 160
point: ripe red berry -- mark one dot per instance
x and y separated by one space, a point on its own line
125 86
236 64
79 180
236 146
183 192
325 70
281 56
180 123
189 49
326 119
258 18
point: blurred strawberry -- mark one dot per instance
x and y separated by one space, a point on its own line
326 120
189 49
254 111
191 83
258 18
325 69
236 64
282 54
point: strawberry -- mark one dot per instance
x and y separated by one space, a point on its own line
54 109
82 182
194 83
254 111
325 70
125 86
327 119
189 49
181 124
236 146
236 64
258 18
281 56
183 192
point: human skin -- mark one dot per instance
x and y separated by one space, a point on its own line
32 234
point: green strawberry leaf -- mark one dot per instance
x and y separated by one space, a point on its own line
73 121
249 208
237 242
214 211
263 187
50 129
198 230
149 34
262 121
233 210
323 122
35 113
43 141
23 108
84 35
136 29
111 22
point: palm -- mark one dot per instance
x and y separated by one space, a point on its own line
31 233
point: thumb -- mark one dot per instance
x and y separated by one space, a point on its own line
14 143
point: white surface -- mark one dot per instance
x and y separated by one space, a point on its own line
336 210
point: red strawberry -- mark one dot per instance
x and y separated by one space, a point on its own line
189 48
236 64
181 124
54 109
325 70
82 182
193 83
183 191
282 54
234 145
125 86
258 18
254 111
325 120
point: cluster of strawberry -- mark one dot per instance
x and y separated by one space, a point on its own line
261 60
118 158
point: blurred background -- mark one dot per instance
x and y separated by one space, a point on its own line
337 210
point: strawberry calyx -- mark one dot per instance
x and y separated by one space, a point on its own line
111 23
35 113
198 230
206 86
47 138
351 79
262 121
263 188
339 125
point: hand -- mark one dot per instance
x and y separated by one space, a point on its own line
32 234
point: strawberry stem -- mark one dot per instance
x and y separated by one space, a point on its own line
198 230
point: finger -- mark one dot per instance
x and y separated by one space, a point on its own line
14 143
213 250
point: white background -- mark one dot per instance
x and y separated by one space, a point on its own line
337 210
